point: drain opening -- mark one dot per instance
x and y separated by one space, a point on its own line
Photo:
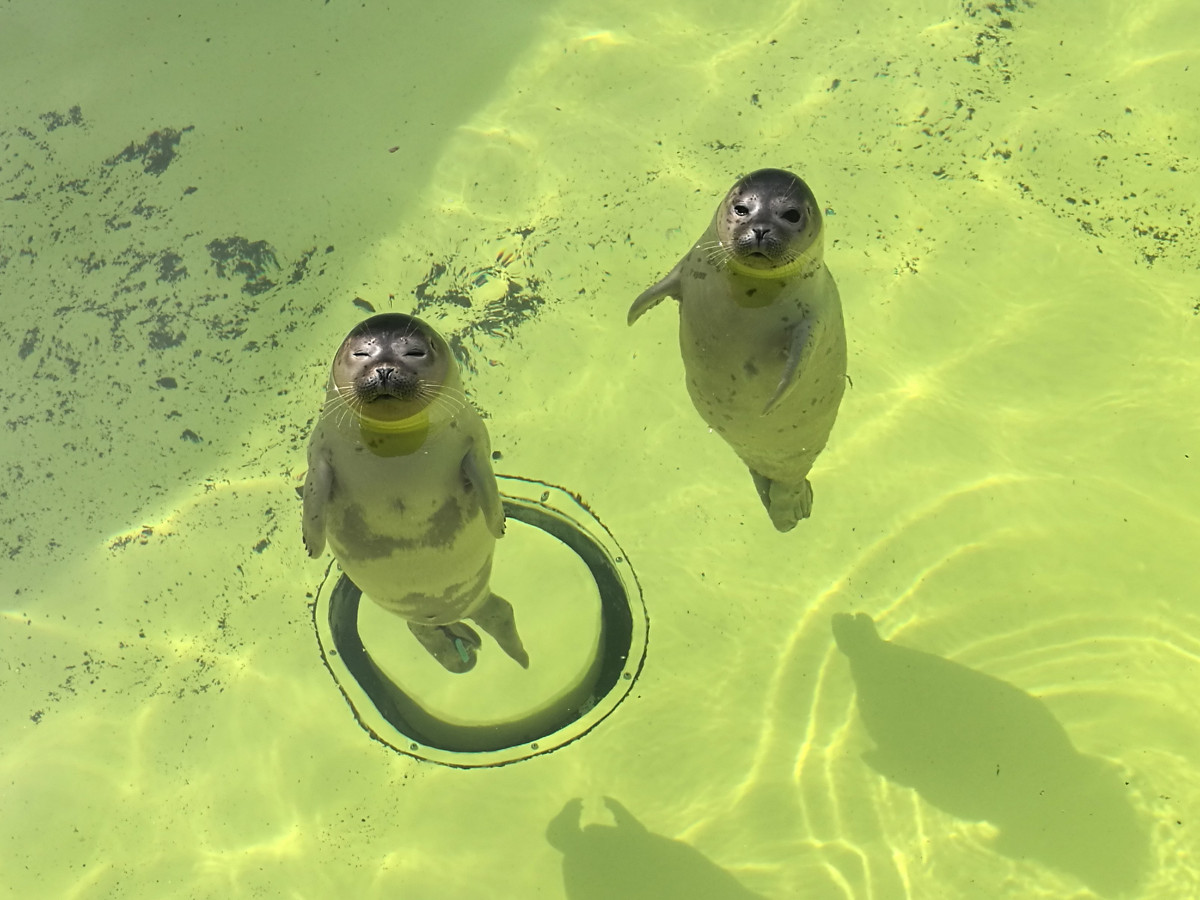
579 609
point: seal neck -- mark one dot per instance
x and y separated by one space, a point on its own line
386 437
413 424
401 437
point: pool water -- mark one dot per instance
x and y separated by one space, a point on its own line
197 205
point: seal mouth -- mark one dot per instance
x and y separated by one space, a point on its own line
760 248
386 384
760 258
382 397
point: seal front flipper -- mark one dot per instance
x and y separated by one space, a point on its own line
798 343
477 472
317 484
652 296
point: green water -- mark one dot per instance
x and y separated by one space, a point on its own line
197 203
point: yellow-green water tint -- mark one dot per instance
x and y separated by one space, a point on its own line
1012 483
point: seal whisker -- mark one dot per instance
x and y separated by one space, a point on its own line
720 255
342 406
444 403
446 390
443 395
344 415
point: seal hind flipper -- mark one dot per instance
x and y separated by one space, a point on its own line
496 618
786 504
653 295
317 484
477 472
452 645
798 343
789 504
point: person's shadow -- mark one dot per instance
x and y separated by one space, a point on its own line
983 750
603 862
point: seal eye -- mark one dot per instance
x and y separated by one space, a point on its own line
791 215
361 353
741 209
416 351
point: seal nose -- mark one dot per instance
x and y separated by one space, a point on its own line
385 373
760 233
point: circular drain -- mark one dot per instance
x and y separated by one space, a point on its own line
578 607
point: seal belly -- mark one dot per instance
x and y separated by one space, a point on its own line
734 358
409 533
423 581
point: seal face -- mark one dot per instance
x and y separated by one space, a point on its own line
400 485
761 334
391 364
767 220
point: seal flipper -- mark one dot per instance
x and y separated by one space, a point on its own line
451 645
317 484
789 504
477 472
798 342
653 295
786 504
496 618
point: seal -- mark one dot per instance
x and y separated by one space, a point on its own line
761 334
400 484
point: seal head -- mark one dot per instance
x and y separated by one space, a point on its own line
767 224
388 370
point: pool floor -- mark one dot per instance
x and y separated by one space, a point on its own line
198 205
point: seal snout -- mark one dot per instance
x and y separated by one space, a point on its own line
403 385
389 380
761 234
760 242
768 246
